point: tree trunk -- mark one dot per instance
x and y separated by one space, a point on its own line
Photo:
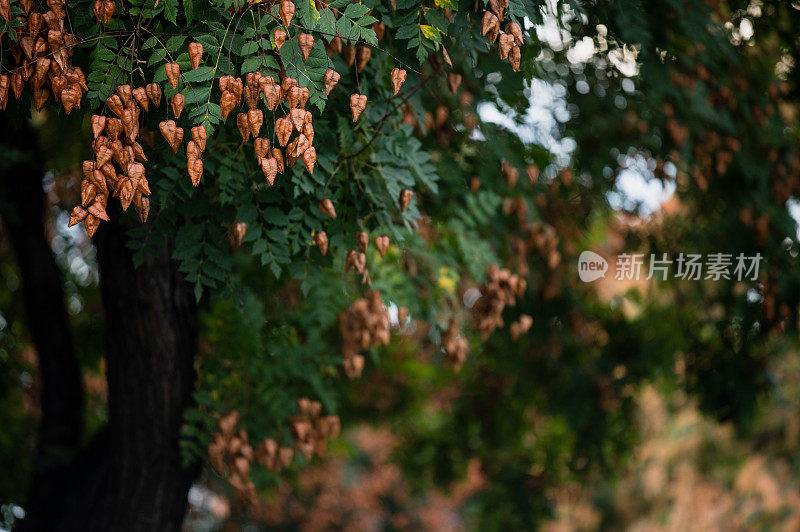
61 426
151 330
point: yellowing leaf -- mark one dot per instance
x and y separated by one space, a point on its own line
430 32
447 4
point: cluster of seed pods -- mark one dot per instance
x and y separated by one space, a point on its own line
41 53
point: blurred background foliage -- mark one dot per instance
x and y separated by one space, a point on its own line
654 127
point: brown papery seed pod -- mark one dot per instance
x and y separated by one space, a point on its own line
173 71
306 41
177 102
326 206
358 102
405 199
195 54
279 37
140 95
199 136
269 166
154 93
226 103
330 80
454 82
244 127
398 77
287 12
321 239
362 241
309 159
382 243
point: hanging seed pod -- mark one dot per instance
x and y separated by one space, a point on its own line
124 92
142 208
301 144
297 117
195 168
380 29
304 94
287 12
279 37
238 231
99 179
195 54
353 366
286 86
244 127
87 167
91 224
109 8
269 167
306 41
320 238
514 57
261 148
98 125
326 206
173 71
358 103
398 77
271 92
4 84
113 102
362 241
226 103
278 156
363 55
283 130
454 82
254 120
250 97
490 26
97 210
77 215
140 95
153 91
177 102
293 97
97 8
330 80
405 199
498 6
309 159
127 123
40 73
103 155
192 150
88 192
114 128
118 151
308 131
514 29
506 43
199 136
382 243
172 133
138 152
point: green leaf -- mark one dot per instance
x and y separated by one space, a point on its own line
171 10
188 10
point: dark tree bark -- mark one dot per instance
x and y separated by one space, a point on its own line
129 477
61 427
151 330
